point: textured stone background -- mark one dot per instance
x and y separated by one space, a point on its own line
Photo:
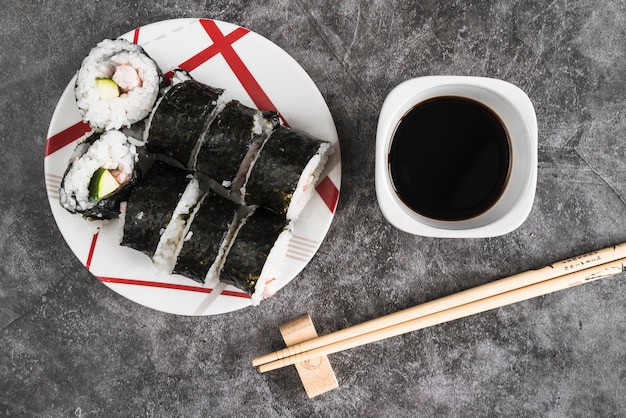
69 346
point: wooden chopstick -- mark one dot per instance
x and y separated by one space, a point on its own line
503 299
566 273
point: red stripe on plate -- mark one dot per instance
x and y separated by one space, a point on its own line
329 193
92 249
173 286
168 76
243 74
208 53
136 36
222 44
66 136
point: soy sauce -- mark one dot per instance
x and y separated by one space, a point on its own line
450 158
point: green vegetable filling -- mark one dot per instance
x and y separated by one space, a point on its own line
107 88
102 184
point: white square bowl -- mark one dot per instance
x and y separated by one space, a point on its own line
517 114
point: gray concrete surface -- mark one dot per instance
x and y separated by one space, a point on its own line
69 346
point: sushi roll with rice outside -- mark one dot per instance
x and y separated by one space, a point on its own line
117 85
101 173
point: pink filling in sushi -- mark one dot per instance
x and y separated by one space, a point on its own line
127 77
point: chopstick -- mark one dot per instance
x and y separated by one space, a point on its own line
522 286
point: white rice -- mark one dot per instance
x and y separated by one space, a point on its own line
263 128
267 285
174 234
261 125
112 151
128 108
306 184
180 76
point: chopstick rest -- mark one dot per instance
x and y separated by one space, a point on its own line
316 374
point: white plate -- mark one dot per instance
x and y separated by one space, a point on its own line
252 70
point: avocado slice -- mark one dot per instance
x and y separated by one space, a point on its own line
107 88
102 184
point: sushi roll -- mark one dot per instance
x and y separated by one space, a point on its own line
101 173
233 141
117 85
207 239
158 213
180 119
283 176
257 254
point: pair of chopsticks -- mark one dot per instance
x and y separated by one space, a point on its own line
530 284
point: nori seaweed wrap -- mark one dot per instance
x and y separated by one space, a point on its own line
255 258
151 206
179 120
207 239
232 142
283 176
101 174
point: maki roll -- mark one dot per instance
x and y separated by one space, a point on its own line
159 211
233 141
101 173
116 85
257 254
207 240
283 176
180 119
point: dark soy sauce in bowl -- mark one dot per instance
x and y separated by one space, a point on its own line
450 158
